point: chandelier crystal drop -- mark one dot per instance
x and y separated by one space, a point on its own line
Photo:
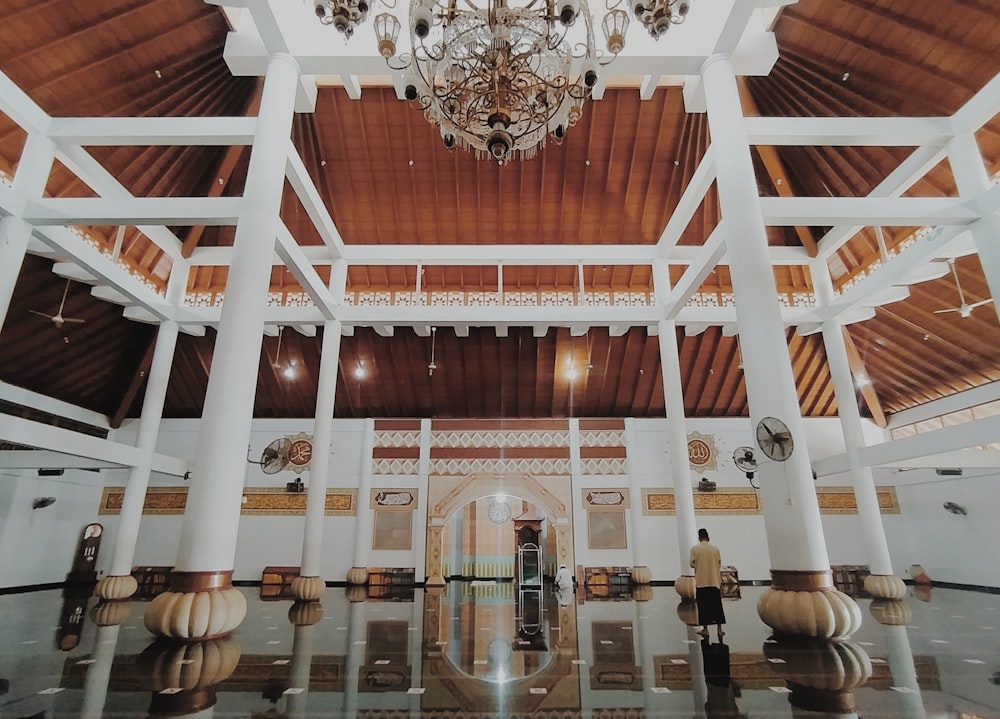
503 79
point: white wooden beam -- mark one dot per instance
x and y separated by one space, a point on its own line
489 255
946 405
983 107
288 249
690 200
69 245
50 405
908 173
898 211
711 252
926 444
36 434
147 131
19 107
93 174
852 131
312 202
133 211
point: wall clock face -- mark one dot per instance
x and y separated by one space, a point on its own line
499 512
775 439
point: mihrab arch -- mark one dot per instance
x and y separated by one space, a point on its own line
446 494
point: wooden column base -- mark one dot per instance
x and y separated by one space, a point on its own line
199 606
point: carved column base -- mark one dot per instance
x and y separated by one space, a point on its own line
685 588
198 607
885 586
309 589
111 613
642 575
892 613
805 604
357 575
821 675
195 669
305 614
116 587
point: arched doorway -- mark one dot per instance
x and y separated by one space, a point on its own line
448 494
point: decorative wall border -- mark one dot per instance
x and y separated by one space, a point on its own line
256 501
832 500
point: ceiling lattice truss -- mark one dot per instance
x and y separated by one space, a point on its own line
381 172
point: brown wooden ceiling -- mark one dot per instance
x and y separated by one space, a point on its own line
838 57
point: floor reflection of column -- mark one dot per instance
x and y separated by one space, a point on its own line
699 688
302 654
355 656
904 671
414 649
95 686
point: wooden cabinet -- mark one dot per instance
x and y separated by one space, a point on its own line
152 580
276 583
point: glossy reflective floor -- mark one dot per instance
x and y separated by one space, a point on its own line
485 650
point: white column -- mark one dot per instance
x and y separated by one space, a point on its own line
970 175
29 183
366 516
869 513
149 427
680 467
209 528
791 511
326 392
640 549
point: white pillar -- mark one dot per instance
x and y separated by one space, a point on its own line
904 670
130 516
640 549
680 466
791 510
209 528
202 602
366 516
29 183
970 175
869 513
326 392
800 568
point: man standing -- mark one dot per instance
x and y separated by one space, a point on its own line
707 563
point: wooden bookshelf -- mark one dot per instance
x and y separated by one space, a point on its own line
153 580
850 578
391 583
730 587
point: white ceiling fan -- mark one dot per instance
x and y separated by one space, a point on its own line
964 309
57 319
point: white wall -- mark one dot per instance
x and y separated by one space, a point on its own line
38 545
951 548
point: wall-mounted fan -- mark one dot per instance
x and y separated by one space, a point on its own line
745 461
274 458
964 309
955 508
57 319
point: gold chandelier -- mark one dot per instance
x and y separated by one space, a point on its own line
505 78
500 80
